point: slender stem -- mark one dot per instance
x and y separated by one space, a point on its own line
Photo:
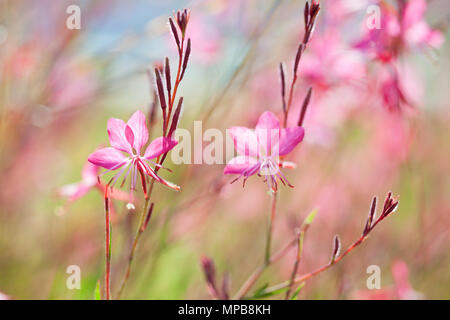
175 88
160 160
300 238
134 246
270 227
390 205
291 95
267 258
249 283
107 247
309 275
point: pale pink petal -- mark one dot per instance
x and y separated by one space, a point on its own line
138 124
435 38
414 12
121 195
417 34
109 158
240 165
289 139
245 141
159 146
89 173
74 191
116 133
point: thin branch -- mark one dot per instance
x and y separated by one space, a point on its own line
300 237
249 283
390 205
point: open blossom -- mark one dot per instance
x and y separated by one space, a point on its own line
127 140
259 150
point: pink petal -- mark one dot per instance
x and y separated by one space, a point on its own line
435 38
268 121
89 173
240 164
245 141
138 124
268 130
159 146
117 138
289 139
414 12
109 158
74 191
129 135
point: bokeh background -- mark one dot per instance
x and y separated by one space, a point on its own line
59 86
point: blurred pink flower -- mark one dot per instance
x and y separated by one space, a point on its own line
89 180
130 137
398 87
401 289
4 296
392 141
407 28
415 29
328 62
392 94
71 84
205 38
259 149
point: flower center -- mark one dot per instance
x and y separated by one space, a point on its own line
268 167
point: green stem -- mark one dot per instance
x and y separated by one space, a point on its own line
134 246
270 227
300 238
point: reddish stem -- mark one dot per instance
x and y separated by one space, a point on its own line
107 247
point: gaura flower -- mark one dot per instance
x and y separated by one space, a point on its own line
127 140
259 150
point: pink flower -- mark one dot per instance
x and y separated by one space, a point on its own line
329 63
401 290
416 29
259 149
76 190
398 30
126 141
